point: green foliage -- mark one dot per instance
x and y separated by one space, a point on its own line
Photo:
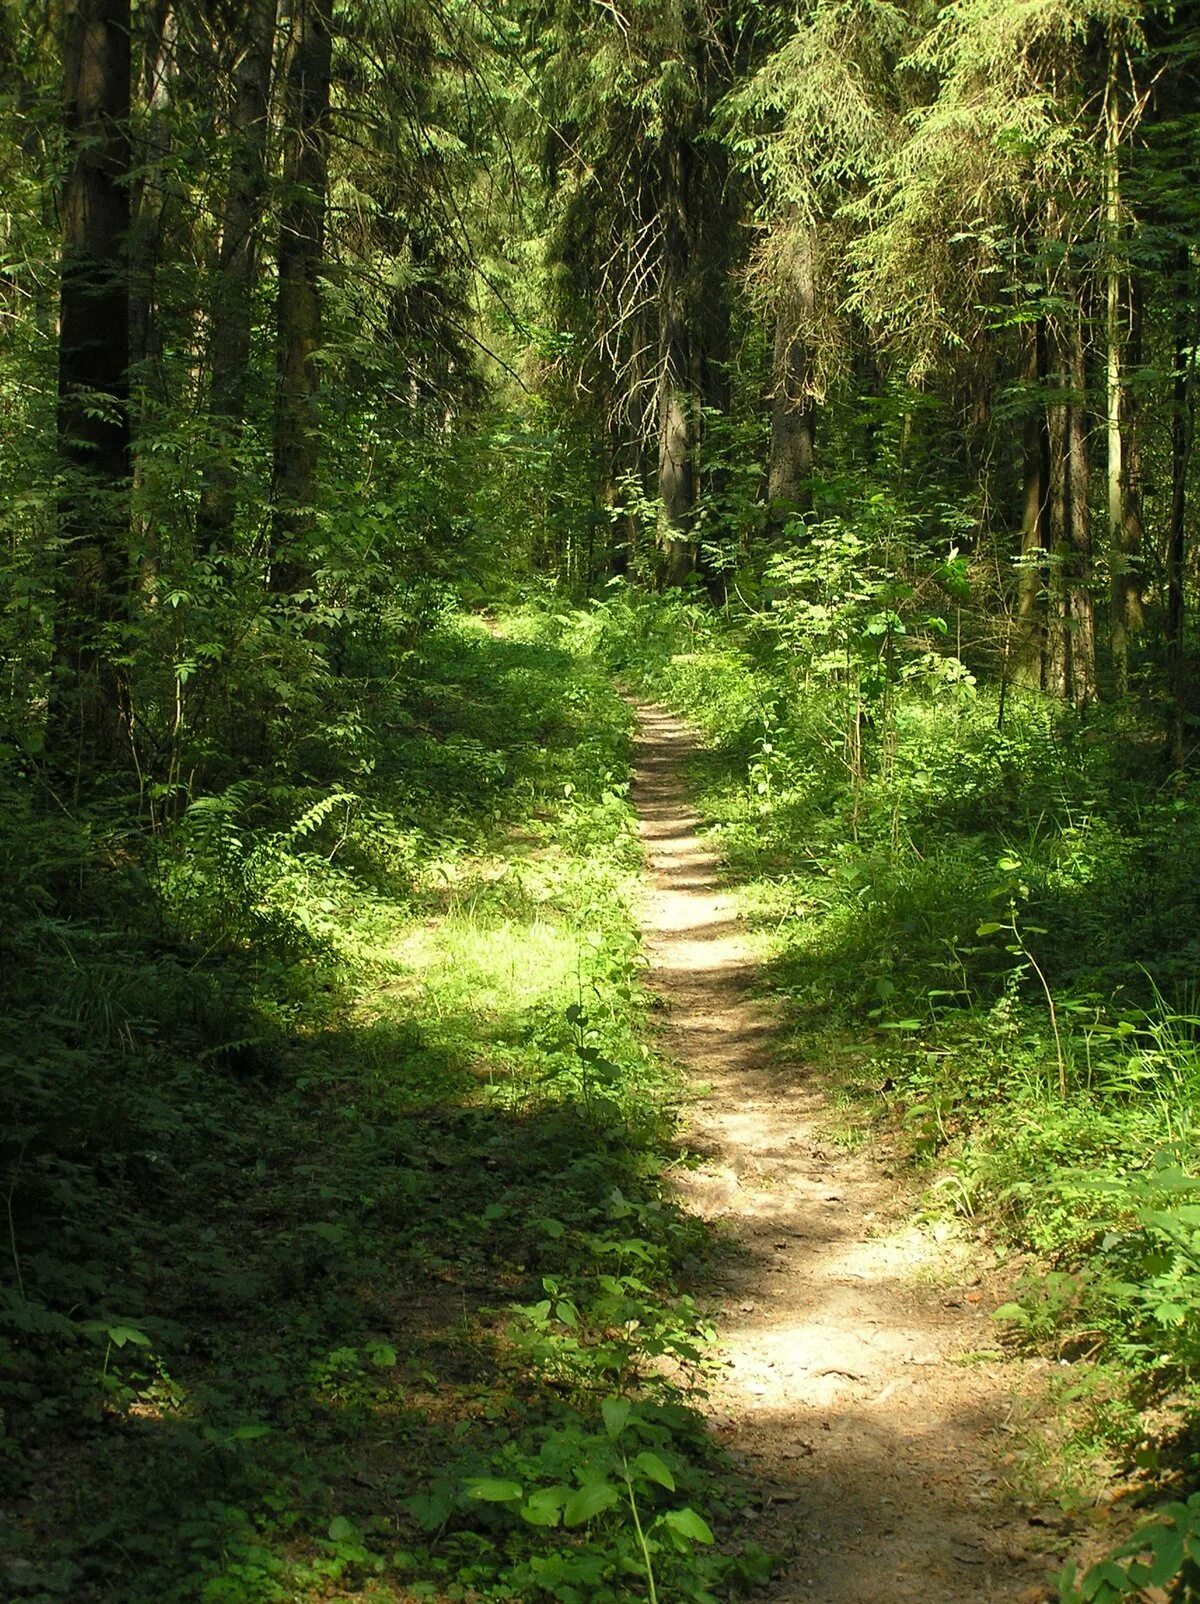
1162 1553
331 1176
990 927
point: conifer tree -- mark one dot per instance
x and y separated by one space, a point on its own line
90 709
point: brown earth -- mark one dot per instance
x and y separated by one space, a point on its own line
857 1387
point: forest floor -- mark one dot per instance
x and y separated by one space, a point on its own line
860 1383
405 1276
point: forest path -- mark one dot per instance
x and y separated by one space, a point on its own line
854 1386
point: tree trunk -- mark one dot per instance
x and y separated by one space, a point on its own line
1056 677
1082 680
89 709
677 406
793 425
1071 625
1183 419
149 197
1036 540
301 253
1124 500
237 262
710 320
676 482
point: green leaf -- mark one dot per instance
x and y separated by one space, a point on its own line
990 928
493 1490
688 1524
544 1506
383 1355
589 1501
342 1530
653 1468
120 1335
1167 1559
616 1413
1011 1311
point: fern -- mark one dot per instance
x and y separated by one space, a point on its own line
312 819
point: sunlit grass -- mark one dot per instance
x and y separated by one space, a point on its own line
409 1090
983 930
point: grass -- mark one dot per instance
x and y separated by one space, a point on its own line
339 1256
987 931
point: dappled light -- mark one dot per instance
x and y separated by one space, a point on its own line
839 1380
599 832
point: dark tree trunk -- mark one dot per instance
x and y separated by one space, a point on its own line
1082 684
1071 624
237 262
712 355
1183 419
301 253
89 711
1056 676
1036 540
148 202
1125 530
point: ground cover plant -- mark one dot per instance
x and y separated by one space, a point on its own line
988 930
850 351
345 1264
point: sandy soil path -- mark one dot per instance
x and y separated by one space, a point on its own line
849 1388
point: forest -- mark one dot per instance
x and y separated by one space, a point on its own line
468 467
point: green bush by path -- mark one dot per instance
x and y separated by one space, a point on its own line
984 916
337 1254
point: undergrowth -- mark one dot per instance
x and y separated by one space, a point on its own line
337 1258
984 914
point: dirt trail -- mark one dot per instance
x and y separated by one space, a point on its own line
877 1454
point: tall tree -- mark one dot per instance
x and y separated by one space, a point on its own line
810 126
300 263
791 456
1123 340
251 45
642 237
89 706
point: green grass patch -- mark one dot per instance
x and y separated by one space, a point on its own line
339 1259
981 915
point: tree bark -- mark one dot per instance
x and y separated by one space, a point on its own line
1183 421
712 354
793 411
301 260
1056 675
1071 622
236 268
89 707
677 403
793 431
1123 461
1082 679
1036 539
148 204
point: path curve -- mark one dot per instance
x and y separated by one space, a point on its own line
875 1448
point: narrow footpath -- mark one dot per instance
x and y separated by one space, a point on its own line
857 1385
